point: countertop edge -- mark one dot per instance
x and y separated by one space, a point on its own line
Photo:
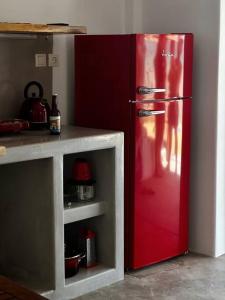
84 141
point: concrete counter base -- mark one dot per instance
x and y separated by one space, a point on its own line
34 221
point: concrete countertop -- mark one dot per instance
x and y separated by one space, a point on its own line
40 144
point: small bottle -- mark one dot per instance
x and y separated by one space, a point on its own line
87 245
55 118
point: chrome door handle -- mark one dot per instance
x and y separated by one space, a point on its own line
148 113
146 90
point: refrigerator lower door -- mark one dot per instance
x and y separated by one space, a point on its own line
161 181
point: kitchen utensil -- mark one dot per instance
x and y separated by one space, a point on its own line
72 261
13 125
85 190
35 109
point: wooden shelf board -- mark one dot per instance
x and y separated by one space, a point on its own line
41 28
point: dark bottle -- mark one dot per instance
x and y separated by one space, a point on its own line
55 118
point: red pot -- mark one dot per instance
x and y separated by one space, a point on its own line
72 265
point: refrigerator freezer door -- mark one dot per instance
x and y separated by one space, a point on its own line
102 84
161 172
163 66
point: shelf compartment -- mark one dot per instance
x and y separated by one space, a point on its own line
80 211
104 244
102 168
26 223
84 274
40 28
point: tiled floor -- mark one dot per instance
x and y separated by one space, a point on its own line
190 277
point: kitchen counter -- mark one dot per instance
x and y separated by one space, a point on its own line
34 218
39 144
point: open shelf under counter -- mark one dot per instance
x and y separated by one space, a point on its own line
83 210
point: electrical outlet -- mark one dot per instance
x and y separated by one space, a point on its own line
53 60
40 60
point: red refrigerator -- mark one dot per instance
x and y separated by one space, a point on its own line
142 84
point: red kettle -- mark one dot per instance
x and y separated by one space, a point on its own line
34 109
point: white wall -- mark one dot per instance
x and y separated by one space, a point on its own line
207 195
220 175
100 15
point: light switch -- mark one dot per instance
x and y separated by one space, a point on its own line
53 60
40 60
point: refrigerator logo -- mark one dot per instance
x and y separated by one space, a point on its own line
167 54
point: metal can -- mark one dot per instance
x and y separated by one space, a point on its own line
88 246
85 190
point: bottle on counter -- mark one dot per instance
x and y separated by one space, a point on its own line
55 117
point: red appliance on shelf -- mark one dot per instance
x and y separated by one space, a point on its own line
142 84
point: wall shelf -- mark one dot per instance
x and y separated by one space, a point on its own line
24 28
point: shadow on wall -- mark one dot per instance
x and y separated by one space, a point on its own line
17 62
